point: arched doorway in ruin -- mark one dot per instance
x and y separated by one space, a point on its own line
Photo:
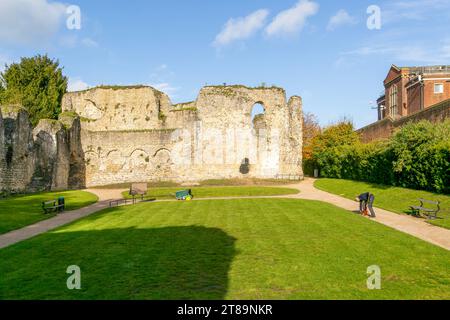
258 114
252 140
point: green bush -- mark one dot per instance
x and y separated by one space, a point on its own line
417 156
421 153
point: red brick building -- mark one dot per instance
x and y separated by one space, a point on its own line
411 94
412 89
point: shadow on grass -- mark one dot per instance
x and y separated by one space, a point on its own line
186 262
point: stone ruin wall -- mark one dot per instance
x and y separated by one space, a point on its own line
46 157
133 134
112 135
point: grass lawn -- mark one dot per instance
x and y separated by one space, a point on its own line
390 198
206 183
206 192
19 211
225 249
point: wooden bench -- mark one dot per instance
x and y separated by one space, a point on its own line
52 206
138 189
430 213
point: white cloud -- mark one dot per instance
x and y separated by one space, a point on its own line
341 18
76 84
72 41
166 88
161 67
69 40
400 19
161 73
292 20
402 53
420 4
160 79
241 28
29 21
395 11
88 42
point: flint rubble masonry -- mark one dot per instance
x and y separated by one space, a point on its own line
114 134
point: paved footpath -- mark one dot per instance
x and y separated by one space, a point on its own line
104 196
413 226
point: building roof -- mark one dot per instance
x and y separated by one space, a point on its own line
428 69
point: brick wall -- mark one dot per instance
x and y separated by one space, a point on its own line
414 98
431 98
383 129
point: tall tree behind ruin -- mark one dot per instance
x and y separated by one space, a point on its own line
311 128
335 135
36 83
2 90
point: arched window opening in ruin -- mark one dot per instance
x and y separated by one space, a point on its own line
258 113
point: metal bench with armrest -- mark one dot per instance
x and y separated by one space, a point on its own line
430 213
54 205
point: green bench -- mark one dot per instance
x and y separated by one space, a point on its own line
53 205
185 195
430 213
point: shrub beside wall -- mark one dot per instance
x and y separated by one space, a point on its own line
417 156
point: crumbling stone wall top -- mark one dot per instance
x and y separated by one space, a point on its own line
135 133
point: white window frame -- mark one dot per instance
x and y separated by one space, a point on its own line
393 101
441 86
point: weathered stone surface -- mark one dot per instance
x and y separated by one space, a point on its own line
135 134
41 158
46 149
18 166
291 159
77 166
118 108
132 134
2 137
2 151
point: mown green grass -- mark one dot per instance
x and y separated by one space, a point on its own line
205 183
225 249
19 211
390 198
208 192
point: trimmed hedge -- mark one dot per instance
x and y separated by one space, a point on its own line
417 156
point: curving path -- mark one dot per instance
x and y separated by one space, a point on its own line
413 226
104 196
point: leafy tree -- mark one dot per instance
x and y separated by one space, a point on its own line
421 151
330 146
342 133
416 156
2 90
311 129
36 83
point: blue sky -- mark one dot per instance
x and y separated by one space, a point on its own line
321 49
